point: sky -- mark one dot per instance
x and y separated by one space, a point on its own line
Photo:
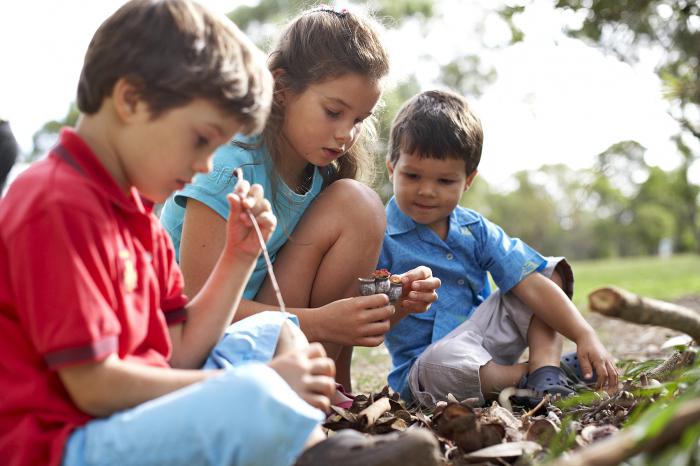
556 100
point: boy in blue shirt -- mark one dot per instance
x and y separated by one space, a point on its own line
469 341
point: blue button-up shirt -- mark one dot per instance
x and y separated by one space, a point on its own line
473 247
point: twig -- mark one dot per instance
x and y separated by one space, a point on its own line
239 174
529 414
370 414
616 302
674 362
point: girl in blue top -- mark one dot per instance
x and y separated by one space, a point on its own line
328 66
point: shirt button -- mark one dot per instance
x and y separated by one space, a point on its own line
460 281
449 256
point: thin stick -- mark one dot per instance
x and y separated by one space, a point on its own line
268 262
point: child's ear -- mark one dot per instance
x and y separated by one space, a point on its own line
126 100
390 169
280 90
470 180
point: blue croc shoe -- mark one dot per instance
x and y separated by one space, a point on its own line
546 379
569 363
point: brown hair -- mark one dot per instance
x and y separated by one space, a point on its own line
437 124
175 51
319 45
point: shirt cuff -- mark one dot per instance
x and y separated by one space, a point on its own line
93 351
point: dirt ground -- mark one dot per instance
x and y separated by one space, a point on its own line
623 340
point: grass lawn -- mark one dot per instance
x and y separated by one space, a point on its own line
665 279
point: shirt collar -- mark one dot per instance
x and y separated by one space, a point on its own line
397 221
80 156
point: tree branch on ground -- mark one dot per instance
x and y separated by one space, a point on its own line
625 305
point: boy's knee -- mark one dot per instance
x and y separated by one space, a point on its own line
290 338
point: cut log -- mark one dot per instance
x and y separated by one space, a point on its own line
622 304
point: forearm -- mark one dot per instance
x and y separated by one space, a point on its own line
548 302
310 319
210 312
103 388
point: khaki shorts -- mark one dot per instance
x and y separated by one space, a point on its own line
496 331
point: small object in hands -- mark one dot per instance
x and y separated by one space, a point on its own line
395 288
366 286
239 174
381 280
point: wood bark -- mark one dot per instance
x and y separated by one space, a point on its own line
615 449
622 304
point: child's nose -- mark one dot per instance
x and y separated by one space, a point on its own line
426 188
345 135
203 164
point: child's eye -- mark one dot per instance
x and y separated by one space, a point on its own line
446 181
201 141
332 114
411 176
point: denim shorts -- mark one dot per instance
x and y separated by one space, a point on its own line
247 416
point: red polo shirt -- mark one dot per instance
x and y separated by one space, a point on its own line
85 271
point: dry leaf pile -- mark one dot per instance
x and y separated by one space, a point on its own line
493 434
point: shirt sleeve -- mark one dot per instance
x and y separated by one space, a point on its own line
509 260
63 274
211 189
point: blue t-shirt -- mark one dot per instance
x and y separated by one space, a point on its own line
473 247
211 189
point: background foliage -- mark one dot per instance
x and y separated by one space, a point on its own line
619 206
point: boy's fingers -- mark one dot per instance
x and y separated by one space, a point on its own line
234 202
613 377
419 273
242 187
322 367
322 385
429 284
318 401
254 199
586 367
315 350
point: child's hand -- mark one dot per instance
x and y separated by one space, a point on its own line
593 355
419 289
309 373
360 321
241 235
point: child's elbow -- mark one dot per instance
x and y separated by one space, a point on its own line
88 388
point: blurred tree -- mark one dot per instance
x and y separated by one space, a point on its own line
671 27
47 135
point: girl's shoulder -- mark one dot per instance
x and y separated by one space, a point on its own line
242 150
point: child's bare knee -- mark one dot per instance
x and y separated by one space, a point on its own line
358 203
290 338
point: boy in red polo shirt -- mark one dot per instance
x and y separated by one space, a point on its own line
101 352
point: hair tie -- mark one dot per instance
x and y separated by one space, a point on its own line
339 12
